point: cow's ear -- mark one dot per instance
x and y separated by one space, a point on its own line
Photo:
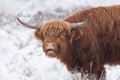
38 34
76 34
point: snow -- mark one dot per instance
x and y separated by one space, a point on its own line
21 55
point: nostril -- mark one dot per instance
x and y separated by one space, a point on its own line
46 44
53 44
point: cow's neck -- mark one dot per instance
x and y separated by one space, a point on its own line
71 58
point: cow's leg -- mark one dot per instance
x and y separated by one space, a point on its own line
98 70
101 73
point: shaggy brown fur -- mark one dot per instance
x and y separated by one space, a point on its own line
98 43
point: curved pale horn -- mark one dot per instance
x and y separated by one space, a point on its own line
80 24
33 26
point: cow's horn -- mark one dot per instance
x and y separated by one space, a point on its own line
33 26
80 24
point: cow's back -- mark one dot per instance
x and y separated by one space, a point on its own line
105 27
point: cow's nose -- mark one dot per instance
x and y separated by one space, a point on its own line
50 45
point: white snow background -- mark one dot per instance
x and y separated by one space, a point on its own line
21 55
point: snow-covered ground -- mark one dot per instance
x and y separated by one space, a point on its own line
21 55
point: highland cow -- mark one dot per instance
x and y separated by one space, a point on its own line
87 37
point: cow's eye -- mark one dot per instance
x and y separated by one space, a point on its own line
63 35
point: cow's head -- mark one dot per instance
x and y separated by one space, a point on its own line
56 36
